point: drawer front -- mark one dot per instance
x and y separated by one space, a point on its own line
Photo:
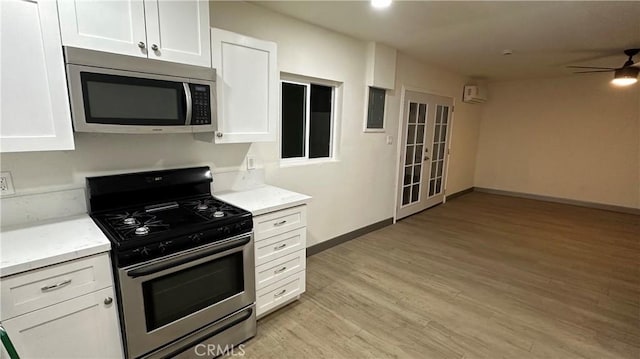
278 222
280 245
280 292
279 268
29 291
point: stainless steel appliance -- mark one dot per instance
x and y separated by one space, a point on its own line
183 261
127 94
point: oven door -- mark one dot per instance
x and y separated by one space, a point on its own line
166 299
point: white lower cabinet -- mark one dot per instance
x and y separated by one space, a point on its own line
280 258
83 327
67 310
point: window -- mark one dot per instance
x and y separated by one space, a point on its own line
375 110
307 120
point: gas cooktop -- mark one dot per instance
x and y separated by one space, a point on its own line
152 214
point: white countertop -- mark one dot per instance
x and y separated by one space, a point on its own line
263 199
41 244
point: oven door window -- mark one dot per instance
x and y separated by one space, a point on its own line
122 100
177 295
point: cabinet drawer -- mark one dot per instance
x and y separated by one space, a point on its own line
282 267
29 291
274 223
280 245
280 292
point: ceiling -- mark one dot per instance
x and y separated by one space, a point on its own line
469 37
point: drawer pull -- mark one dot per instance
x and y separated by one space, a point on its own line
279 247
280 223
279 270
108 300
279 294
47 288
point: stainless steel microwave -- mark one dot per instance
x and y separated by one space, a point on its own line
126 94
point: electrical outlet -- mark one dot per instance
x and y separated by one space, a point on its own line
6 184
251 162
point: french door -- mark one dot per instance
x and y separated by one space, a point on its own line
426 125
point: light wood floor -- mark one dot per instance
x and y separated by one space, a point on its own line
483 276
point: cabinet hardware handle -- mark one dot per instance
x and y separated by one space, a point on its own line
279 294
219 134
141 45
280 223
154 47
279 270
108 300
279 247
55 286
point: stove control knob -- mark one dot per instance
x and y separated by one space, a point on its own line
144 251
162 247
196 237
227 230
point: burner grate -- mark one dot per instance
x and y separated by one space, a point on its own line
136 224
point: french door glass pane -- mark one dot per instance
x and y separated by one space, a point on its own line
420 134
436 134
407 175
411 134
294 102
438 113
418 156
408 158
432 187
443 133
417 173
320 121
440 167
406 195
413 107
422 113
415 193
445 115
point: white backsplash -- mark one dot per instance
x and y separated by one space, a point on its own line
36 207
238 180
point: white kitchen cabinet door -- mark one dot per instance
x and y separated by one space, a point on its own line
104 25
34 105
247 87
83 327
178 31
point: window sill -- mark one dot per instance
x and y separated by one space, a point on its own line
295 162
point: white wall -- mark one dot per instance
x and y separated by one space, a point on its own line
573 137
356 190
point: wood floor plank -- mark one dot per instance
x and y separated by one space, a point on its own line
482 276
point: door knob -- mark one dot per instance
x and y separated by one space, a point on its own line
426 158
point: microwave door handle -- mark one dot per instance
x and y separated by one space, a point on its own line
187 96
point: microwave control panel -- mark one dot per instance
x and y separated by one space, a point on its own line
201 104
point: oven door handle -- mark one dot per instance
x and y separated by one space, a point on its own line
155 268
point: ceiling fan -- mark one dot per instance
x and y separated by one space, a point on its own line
622 76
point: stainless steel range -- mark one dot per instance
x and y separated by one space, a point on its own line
183 261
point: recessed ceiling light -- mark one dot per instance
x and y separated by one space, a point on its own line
507 52
380 4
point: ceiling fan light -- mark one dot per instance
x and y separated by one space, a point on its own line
625 76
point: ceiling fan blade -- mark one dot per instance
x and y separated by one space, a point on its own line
591 67
592 71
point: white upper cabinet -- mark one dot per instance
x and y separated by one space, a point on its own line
247 87
34 104
176 31
180 30
112 26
